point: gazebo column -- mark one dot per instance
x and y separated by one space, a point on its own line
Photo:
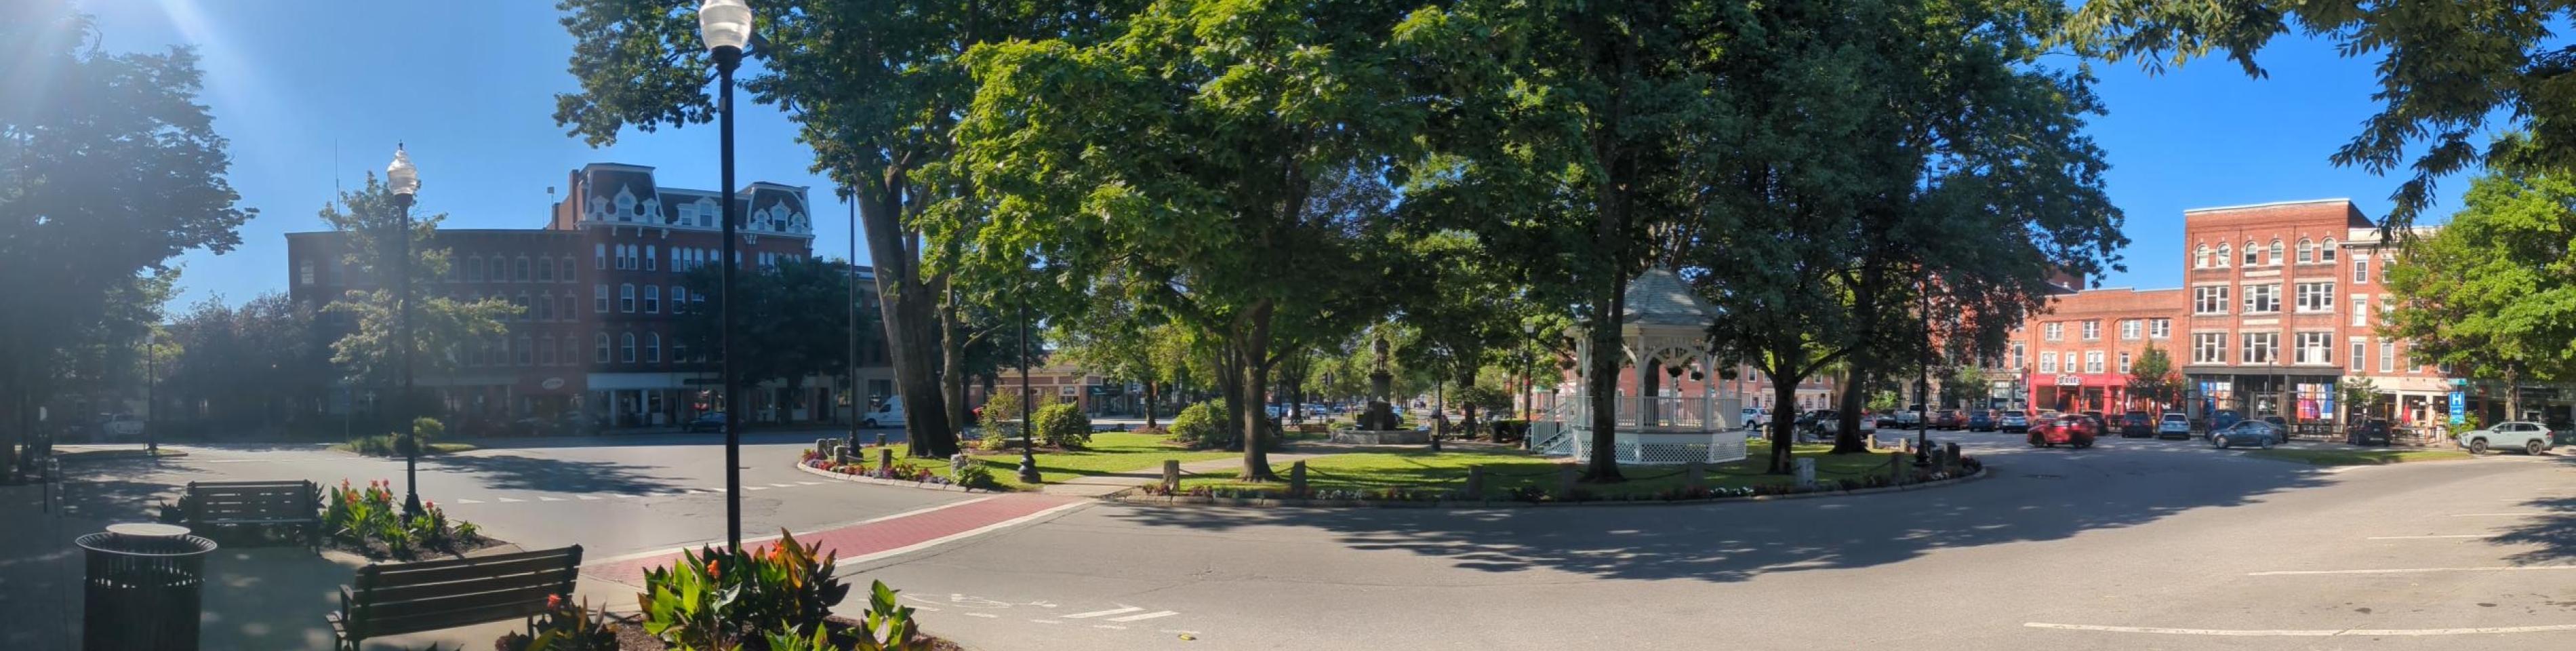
1649 385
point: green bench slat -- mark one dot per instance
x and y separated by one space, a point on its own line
391 599
556 576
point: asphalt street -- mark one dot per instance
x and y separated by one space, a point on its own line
2132 545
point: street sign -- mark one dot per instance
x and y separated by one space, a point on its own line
2070 380
2459 407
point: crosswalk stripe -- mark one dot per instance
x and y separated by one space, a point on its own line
809 483
782 485
590 497
506 500
469 501
1146 616
755 488
542 498
1098 613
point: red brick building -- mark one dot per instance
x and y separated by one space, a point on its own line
2076 354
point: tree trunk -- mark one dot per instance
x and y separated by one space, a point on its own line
1250 349
1854 401
1150 402
952 353
1602 380
907 319
1784 391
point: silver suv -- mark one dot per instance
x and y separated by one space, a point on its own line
2527 436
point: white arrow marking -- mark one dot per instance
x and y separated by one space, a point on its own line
1098 613
1146 616
983 615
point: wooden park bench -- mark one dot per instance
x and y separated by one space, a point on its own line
213 504
393 599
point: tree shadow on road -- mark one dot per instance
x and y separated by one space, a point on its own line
515 472
2029 498
2554 530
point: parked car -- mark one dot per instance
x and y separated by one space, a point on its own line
1908 419
2222 418
2012 420
2173 426
713 421
2527 436
2277 421
2246 432
1981 421
2135 424
1886 420
121 427
889 414
1752 417
2372 431
2072 431
1948 419
1827 423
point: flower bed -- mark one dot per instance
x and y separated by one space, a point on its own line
368 522
773 598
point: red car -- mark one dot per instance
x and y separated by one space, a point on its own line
1949 419
2070 430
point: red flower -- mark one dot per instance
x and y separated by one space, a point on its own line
554 601
712 569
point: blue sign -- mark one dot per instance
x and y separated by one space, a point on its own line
2459 407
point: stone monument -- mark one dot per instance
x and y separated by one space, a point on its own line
1378 423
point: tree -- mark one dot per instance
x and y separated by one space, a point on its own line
2491 294
2358 393
242 366
2448 71
1189 151
1964 384
876 88
1458 304
805 303
2152 377
370 353
109 167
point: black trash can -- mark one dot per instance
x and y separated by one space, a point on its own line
142 588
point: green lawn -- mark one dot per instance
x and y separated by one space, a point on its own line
382 447
1110 452
2355 457
1508 469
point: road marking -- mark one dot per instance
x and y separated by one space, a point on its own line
983 615
1146 616
755 488
926 544
809 483
782 485
928 608
1098 613
1113 627
589 497
1046 621
2492 515
2420 570
506 500
542 498
469 501
2449 537
2330 632
754 541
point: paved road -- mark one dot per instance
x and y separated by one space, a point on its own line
2093 549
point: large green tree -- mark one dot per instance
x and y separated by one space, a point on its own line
2450 71
2493 293
1188 151
109 167
800 326
876 87
256 364
369 352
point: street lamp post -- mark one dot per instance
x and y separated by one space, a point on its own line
1529 378
725 25
853 299
404 180
1923 386
1028 449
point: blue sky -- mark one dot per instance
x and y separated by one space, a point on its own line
469 86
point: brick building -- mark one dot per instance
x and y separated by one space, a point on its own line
600 292
2076 355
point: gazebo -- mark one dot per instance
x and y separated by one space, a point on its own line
1663 335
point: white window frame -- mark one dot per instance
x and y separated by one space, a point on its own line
653 347
2267 352
2092 361
2225 255
2314 297
2387 356
652 299
651 259
2265 301
2275 256
626 299
2093 330
2048 361
2053 331
2124 361
2205 297
626 347
2160 328
2360 356
2360 310
599 298
2307 251
599 344
2130 330
2312 348
2209 348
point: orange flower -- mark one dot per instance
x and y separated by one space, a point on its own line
712 568
554 601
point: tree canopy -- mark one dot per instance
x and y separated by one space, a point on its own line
2492 294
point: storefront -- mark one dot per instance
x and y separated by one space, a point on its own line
2305 402
2079 392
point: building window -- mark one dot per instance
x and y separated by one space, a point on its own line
2209 348
2262 347
2313 348
2129 329
599 298
2200 257
519 270
2361 270
2315 297
626 347
626 298
2048 361
566 275
652 346
651 259
546 307
2262 298
2209 300
2327 254
2092 330
500 269
679 299
2360 310
474 269
566 312
526 311
679 349
2092 361
2223 256
2387 356
545 270
599 256
2307 251
652 298
2275 258
2053 331
2160 328
2360 356
2016 355
2253 253
546 350
304 273
2124 361
527 353
600 343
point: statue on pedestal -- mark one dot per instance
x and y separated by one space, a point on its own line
1379 416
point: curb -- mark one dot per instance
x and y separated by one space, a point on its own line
1127 497
810 470
110 455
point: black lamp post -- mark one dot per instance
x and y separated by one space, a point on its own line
1529 377
725 25
1923 386
853 395
404 180
1028 449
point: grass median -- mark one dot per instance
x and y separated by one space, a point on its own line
1109 453
2357 457
1509 470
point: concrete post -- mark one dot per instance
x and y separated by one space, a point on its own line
1695 476
1171 475
1896 468
1565 482
881 440
1950 457
1475 483
840 454
1297 479
1805 467
885 459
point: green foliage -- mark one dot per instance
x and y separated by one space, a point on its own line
1484 397
2492 294
426 430
372 516
1964 385
1199 426
684 605
564 627
2152 376
816 342
241 364
440 325
973 475
1061 425
1002 413
2448 72
717 598
888 625
374 445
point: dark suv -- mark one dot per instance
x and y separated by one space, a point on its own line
2136 424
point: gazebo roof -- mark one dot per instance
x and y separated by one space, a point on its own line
1658 297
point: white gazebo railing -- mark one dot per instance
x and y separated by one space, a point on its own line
1663 333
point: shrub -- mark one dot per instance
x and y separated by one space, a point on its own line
426 429
563 627
715 599
373 445
1199 426
1001 413
1062 425
361 516
973 474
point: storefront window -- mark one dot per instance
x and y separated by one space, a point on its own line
2316 400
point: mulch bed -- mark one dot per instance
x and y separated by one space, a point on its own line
631 636
377 551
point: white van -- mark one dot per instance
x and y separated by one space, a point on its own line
887 414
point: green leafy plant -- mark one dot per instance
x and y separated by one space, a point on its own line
564 627
1062 425
788 583
684 604
716 598
888 625
1200 426
973 475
